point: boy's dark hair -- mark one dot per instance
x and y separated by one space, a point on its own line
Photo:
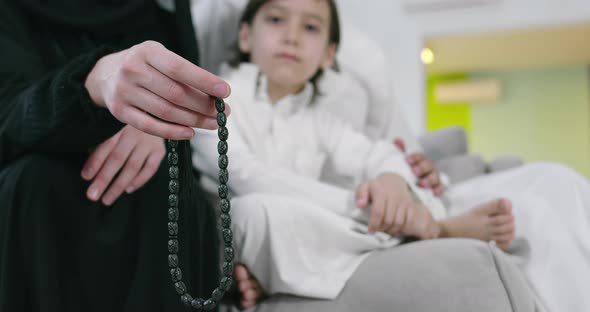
250 12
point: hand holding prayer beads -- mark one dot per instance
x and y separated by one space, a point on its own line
174 214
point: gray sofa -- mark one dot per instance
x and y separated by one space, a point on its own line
445 275
448 148
454 275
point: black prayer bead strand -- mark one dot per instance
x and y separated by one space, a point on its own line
224 205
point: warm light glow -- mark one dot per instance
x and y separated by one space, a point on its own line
427 56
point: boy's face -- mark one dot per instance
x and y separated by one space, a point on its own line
288 40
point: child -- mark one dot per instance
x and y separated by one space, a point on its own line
293 232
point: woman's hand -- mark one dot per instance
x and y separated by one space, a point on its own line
156 91
131 155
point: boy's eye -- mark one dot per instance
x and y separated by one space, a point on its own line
274 19
311 28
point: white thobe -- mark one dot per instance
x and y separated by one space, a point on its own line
308 237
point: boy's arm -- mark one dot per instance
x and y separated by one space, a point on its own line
248 174
353 154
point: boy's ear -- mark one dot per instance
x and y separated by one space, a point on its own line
329 57
244 39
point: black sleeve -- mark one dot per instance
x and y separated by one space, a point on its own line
47 112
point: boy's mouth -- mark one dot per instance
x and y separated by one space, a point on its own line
289 57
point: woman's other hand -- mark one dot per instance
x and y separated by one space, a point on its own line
132 156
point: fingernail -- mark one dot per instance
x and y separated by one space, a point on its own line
187 134
86 173
93 193
212 124
221 89
107 200
130 189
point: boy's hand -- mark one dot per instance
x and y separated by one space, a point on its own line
424 169
392 205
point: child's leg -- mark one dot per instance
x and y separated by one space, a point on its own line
489 221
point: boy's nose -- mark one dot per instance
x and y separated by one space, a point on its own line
291 35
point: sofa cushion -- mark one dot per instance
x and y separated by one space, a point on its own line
504 162
444 143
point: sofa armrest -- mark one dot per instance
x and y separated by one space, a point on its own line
462 167
447 147
444 143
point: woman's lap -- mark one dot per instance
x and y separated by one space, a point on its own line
60 252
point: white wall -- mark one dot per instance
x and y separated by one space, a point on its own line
503 15
402 35
386 24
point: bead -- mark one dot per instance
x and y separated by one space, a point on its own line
173 260
224 205
173 172
176 274
173 214
225 220
226 283
219 105
227 235
229 253
223 176
173 246
172 143
172 228
221 119
222 147
186 299
173 200
173 158
222 190
228 269
180 287
209 304
197 303
223 161
173 186
222 133
217 294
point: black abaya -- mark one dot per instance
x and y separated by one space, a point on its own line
58 251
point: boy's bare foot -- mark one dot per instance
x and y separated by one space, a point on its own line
250 291
490 221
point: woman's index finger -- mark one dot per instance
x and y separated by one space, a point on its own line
182 70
